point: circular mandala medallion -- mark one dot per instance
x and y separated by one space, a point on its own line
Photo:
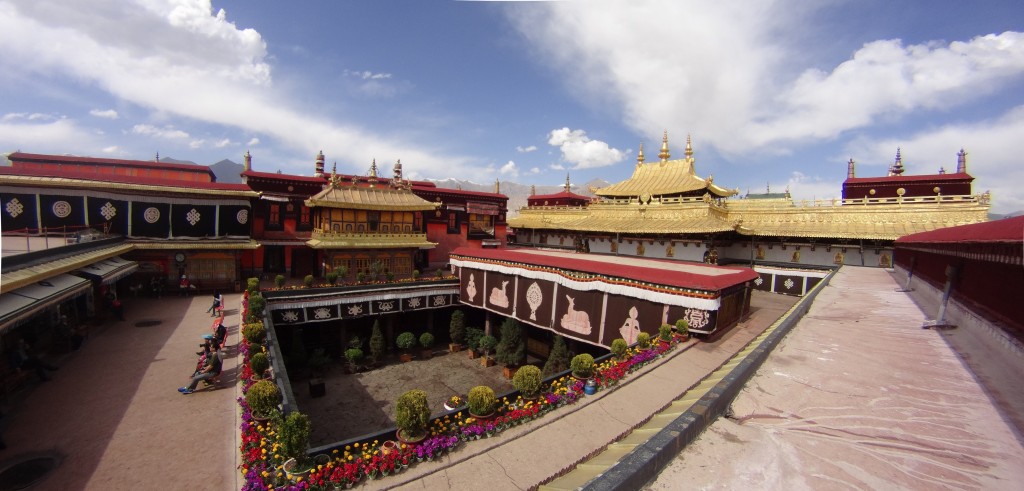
62 209
151 214
242 216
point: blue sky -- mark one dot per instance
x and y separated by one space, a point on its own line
780 93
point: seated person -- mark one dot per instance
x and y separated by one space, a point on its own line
210 370
220 335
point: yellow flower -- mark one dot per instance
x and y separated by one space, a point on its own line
348 447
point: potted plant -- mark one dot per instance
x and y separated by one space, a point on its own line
263 398
527 381
473 335
619 348
665 334
457 331
252 285
354 356
376 343
511 351
481 402
427 343
558 358
307 281
412 415
256 306
279 281
683 328
332 278
415 274
293 436
454 402
405 342
254 333
259 363
582 366
487 343
643 341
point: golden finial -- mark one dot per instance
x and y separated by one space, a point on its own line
497 186
567 182
334 174
664 155
373 168
533 189
248 160
640 156
689 148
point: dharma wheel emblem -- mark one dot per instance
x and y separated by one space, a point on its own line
242 216
151 215
61 209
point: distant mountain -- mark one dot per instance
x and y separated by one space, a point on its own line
517 193
169 160
228 171
1000 216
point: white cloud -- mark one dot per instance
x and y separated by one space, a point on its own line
104 113
367 75
522 149
111 149
581 151
222 143
535 170
804 187
167 132
44 137
727 70
253 142
28 117
557 167
194 144
509 169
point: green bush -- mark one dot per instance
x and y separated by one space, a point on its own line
257 304
481 400
254 332
527 380
619 348
439 273
558 358
279 280
263 397
426 340
487 343
360 277
683 327
406 340
665 333
390 276
473 335
511 351
643 340
415 274
457 327
332 278
342 271
376 342
354 356
293 436
582 365
252 285
307 281
412 413
259 363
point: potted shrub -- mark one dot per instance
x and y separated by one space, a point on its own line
376 343
412 416
415 274
256 306
354 356
254 333
527 381
293 436
481 402
473 335
665 333
405 342
307 281
582 366
332 278
683 328
259 363
619 348
511 351
252 285
454 402
427 343
279 281
457 331
487 343
558 358
360 277
263 398
643 341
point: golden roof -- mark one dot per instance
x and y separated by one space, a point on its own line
206 189
217 244
369 198
27 276
665 177
342 240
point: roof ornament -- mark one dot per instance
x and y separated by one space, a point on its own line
689 148
497 186
640 156
961 162
942 170
897 167
334 175
664 155
158 156
397 171
373 168
849 169
533 189
567 182
318 170
248 161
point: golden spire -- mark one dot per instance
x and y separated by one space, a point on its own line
664 155
533 189
567 182
689 148
373 168
334 174
248 160
497 186
640 156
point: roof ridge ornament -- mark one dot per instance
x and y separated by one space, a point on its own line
849 169
640 155
689 148
664 155
897 167
567 182
373 168
961 162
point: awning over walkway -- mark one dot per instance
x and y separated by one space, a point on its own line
26 301
108 270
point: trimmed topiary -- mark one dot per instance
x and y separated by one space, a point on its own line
279 280
332 278
665 333
412 414
457 327
683 327
254 332
643 340
619 348
262 398
481 400
511 351
259 363
527 380
307 281
487 343
582 365
293 436
406 340
426 340
376 342
252 285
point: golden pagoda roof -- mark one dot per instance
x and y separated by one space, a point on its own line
369 198
343 240
665 177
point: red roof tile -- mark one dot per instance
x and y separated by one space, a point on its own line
962 176
113 178
1009 230
57 159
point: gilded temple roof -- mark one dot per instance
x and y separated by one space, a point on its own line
664 177
369 198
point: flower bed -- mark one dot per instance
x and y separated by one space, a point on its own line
345 467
